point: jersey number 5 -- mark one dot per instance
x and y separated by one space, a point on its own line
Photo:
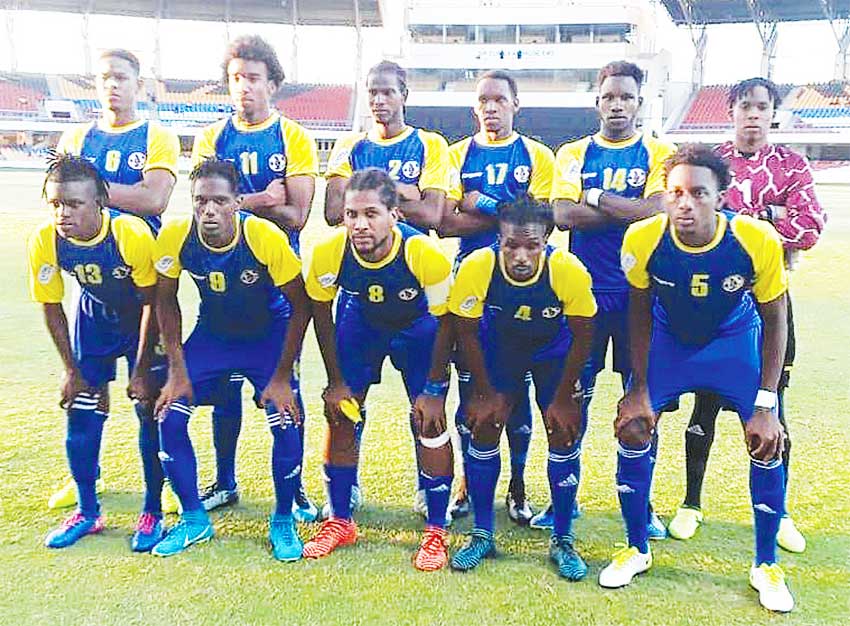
699 285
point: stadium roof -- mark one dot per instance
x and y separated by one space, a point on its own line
308 12
739 11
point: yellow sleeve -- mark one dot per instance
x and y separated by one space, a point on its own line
302 157
204 145
168 244
659 152
432 269
542 169
472 282
136 247
271 247
71 141
762 243
566 177
339 163
45 277
457 155
571 282
435 170
163 149
323 273
639 243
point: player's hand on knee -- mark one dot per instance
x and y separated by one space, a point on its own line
333 396
278 394
487 414
142 387
177 386
429 415
73 384
635 420
765 435
563 420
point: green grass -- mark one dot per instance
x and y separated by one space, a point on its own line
233 579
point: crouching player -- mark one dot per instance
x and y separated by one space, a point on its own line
520 306
109 254
245 271
706 313
395 282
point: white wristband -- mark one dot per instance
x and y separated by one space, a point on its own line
437 442
765 399
591 197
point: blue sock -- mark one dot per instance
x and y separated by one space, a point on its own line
633 475
483 466
340 480
151 466
178 457
227 423
564 469
296 389
518 430
438 489
82 445
767 491
464 389
286 459
358 436
653 456
420 481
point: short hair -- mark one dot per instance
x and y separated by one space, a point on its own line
620 68
525 209
121 53
746 86
374 179
700 155
254 48
216 168
390 67
501 75
66 168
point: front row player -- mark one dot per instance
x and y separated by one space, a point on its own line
245 271
395 284
522 306
706 313
109 254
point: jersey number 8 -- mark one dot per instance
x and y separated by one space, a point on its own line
217 282
376 293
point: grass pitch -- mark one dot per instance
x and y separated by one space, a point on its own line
234 580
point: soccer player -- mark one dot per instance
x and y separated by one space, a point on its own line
138 159
277 163
109 255
397 281
521 306
417 160
495 165
252 319
707 311
772 183
602 183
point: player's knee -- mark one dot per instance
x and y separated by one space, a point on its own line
635 432
487 434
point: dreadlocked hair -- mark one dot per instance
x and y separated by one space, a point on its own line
65 168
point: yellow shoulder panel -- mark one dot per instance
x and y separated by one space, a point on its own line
472 282
45 277
169 244
432 269
762 243
136 247
271 247
566 178
163 149
204 146
542 169
302 157
338 162
435 169
457 155
659 152
324 268
571 282
640 242
71 141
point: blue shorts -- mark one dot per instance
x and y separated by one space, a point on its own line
211 360
729 366
611 324
362 348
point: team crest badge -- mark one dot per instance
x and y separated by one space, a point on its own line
121 272
408 294
410 169
164 264
551 312
249 277
468 304
137 160
627 262
636 177
733 283
522 174
277 162
326 280
45 273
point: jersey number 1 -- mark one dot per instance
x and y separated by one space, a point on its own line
250 163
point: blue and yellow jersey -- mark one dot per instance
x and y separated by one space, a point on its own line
633 168
414 157
110 267
413 280
122 154
501 169
705 292
530 314
240 283
275 148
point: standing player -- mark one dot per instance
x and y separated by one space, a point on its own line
253 315
109 255
772 183
521 306
417 160
603 183
495 165
138 159
397 283
277 163
706 311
